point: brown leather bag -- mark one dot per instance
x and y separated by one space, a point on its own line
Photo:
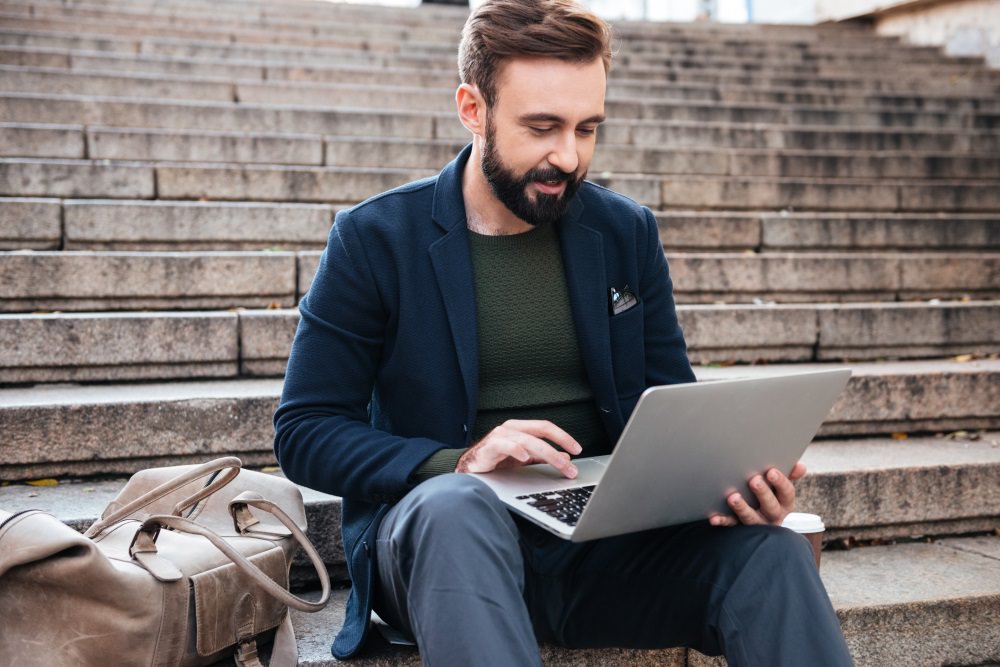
178 571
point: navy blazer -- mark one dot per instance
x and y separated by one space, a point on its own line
384 368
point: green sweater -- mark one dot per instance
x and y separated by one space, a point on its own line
529 360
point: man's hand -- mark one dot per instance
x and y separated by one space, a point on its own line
518 442
775 494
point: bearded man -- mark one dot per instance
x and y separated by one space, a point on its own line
460 324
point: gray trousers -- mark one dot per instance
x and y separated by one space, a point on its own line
473 585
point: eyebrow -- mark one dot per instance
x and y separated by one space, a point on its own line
552 118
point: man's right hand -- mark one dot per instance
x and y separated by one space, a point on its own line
519 442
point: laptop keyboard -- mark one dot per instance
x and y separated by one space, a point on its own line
566 505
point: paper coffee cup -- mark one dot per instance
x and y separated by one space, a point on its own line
809 526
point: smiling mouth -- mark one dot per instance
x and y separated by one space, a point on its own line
550 187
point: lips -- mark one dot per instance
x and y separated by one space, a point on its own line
550 187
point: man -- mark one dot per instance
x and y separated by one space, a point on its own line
460 324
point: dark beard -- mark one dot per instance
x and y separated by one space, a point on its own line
512 191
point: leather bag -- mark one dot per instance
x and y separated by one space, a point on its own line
187 566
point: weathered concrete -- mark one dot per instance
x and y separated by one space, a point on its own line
880 231
204 115
294 184
30 224
56 80
940 275
907 330
33 140
265 341
889 488
98 430
188 146
25 177
711 231
902 396
749 333
758 193
709 277
117 346
89 280
187 225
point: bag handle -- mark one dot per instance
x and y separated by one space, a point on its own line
152 525
230 464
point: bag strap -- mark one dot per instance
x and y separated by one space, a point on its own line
230 464
152 525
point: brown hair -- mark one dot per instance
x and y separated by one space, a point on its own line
499 30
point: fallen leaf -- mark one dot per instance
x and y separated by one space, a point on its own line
957 435
962 357
270 469
43 482
900 436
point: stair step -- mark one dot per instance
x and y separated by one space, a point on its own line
60 430
930 602
37 177
190 280
77 141
118 346
866 489
133 112
619 86
15 78
80 281
94 224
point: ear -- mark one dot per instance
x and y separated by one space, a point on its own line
471 108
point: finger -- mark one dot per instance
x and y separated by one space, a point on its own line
783 489
543 452
798 471
769 506
722 520
541 428
746 514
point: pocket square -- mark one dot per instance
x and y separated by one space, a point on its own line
620 299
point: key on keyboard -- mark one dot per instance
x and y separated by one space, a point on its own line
566 505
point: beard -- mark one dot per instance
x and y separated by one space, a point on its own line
512 190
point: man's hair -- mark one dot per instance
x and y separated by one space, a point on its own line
500 30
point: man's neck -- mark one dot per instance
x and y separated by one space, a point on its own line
484 213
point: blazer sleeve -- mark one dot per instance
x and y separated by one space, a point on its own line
323 436
665 350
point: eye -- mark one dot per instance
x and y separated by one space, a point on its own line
539 130
586 131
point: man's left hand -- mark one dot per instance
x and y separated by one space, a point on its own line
775 496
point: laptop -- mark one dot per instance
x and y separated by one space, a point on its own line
684 449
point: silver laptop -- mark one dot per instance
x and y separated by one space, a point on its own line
684 449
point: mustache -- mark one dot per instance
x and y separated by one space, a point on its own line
549 174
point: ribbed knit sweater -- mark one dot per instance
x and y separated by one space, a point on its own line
529 360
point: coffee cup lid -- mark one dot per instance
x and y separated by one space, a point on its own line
802 522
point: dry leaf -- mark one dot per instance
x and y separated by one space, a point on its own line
270 469
962 357
900 436
43 482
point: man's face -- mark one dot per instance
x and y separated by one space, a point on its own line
540 134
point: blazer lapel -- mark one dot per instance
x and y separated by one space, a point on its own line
453 268
583 259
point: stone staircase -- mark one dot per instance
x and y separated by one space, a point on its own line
169 171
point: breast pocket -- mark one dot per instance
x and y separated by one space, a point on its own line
628 356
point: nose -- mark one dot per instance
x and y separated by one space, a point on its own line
563 155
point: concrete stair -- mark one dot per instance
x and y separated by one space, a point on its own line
169 172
